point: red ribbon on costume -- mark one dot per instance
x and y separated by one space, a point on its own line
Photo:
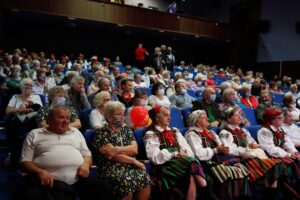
278 134
168 135
208 135
238 132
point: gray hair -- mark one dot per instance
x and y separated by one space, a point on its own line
98 99
194 116
111 107
76 79
207 90
72 73
24 81
101 80
18 67
160 111
225 85
229 91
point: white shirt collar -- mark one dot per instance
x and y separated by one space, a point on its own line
160 129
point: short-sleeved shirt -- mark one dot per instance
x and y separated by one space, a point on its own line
59 154
140 54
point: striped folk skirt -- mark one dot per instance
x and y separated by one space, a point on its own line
292 167
176 172
229 177
265 170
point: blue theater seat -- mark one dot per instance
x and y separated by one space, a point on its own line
250 113
253 130
277 98
176 119
185 115
84 117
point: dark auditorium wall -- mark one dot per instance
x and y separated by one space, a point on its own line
58 34
281 42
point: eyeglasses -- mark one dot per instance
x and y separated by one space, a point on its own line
28 85
281 118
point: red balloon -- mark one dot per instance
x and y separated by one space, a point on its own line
139 116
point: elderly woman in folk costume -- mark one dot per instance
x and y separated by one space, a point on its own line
264 171
277 144
174 165
229 176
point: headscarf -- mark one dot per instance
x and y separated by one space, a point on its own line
269 116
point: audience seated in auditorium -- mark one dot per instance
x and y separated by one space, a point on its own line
208 148
56 96
126 94
293 91
58 74
93 87
140 99
158 97
115 148
230 99
174 164
181 99
210 81
13 81
247 99
265 103
277 144
43 83
256 87
137 81
56 169
274 88
291 129
289 101
209 105
97 119
76 97
21 110
104 84
67 81
266 171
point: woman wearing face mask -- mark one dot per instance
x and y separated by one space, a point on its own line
21 111
115 149
56 96
158 98
97 119
290 103
265 103
247 99
140 99
13 81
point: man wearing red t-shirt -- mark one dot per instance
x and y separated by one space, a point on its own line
140 56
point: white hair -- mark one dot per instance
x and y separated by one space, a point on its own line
76 79
98 99
194 116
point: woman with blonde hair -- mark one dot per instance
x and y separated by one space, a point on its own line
97 119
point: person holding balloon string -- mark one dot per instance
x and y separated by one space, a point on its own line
136 115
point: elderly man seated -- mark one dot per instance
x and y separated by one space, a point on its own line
291 129
76 97
181 99
57 161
